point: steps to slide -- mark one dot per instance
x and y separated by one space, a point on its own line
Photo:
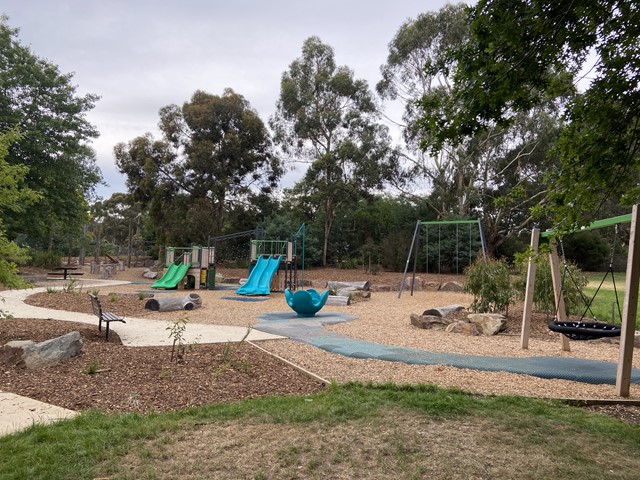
259 281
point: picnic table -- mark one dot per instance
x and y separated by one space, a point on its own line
65 272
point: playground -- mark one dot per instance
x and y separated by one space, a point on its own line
383 319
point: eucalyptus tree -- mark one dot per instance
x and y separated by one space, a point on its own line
418 65
522 53
215 154
328 119
497 173
44 104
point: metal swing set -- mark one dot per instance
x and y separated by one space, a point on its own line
415 241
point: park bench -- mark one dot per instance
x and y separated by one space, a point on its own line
106 317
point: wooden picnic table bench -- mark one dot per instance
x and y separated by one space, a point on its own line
65 272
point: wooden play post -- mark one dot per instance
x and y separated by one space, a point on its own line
630 309
556 278
528 294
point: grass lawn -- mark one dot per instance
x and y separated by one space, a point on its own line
605 301
352 431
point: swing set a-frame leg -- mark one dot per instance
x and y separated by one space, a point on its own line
556 278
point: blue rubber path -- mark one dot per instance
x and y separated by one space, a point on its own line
311 331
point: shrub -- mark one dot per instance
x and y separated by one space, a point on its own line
41 259
588 250
573 281
488 280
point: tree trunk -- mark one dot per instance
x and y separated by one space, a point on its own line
328 221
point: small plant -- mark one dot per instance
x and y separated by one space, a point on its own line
70 286
229 359
176 332
93 368
95 292
52 290
141 295
488 281
113 297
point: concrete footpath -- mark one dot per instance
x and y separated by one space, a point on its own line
17 413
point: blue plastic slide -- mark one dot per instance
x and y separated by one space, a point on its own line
259 281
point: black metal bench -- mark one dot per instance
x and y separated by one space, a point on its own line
106 317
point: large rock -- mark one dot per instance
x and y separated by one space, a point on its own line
443 311
40 355
488 323
149 274
451 287
431 286
464 328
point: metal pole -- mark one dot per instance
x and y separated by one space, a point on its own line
406 266
482 240
415 263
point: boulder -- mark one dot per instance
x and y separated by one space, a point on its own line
47 353
443 311
432 286
149 274
381 288
452 287
488 323
464 328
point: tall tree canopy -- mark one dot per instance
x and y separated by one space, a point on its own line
327 118
14 197
524 52
43 103
495 173
215 153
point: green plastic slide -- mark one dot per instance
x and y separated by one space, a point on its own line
173 276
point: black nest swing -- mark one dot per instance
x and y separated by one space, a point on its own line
588 330
585 330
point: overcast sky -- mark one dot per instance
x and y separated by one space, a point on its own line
140 55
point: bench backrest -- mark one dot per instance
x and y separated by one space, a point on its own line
95 303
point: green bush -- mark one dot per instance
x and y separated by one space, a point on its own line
573 281
489 282
40 259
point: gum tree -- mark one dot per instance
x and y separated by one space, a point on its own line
519 55
215 155
328 119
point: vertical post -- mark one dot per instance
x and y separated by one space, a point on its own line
406 265
415 263
528 293
630 308
557 290
482 240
